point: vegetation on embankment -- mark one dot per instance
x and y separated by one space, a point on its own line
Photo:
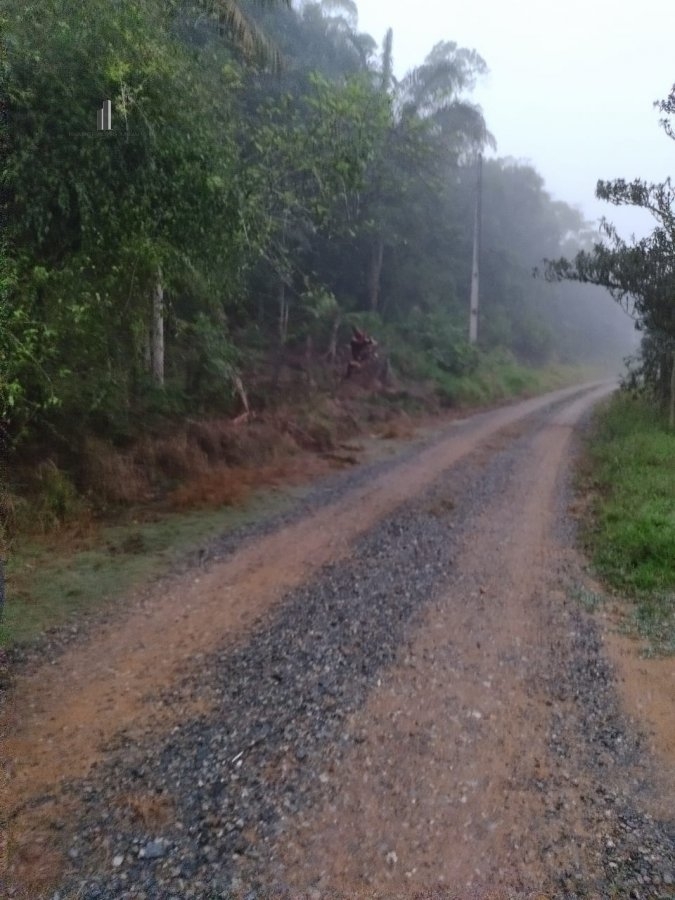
236 218
74 553
213 251
639 274
630 533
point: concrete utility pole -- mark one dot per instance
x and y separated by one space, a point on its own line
473 305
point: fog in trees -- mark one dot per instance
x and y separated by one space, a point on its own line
269 184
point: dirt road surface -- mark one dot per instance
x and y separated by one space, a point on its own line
390 694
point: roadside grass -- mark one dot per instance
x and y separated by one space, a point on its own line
499 377
629 475
52 582
590 600
62 576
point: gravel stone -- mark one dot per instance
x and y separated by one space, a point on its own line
284 696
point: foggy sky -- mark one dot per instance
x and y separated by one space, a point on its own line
571 86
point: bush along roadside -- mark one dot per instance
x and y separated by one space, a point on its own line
81 540
629 533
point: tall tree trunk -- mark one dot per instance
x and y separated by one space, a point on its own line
158 331
309 368
332 344
283 314
147 350
375 273
283 335
239 388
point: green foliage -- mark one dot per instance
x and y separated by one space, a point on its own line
639 274
429 346
101 212
57 500
49 585
632 532
494 376
272 209
306 159
208 362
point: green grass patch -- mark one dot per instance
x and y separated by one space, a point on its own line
630 533
51 583
590 600
499 376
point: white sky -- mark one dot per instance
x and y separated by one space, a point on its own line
570 88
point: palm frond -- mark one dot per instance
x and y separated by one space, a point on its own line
243 31
446 72
364 45
463 124
345 9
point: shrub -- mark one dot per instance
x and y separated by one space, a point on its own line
57 501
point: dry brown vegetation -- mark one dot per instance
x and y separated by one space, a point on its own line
203 459
400 428
226 486
113 476
195 463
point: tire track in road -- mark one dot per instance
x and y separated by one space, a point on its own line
445 789
63 717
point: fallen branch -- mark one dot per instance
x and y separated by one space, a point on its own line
239 388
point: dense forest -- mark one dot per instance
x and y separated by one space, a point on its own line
268 183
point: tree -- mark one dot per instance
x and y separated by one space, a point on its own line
241 29
233 211
430 121
94 222
307 158
251 41
639 274
320 37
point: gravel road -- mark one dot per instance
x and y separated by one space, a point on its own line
386 692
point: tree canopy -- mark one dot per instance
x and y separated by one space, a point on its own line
267 180
639 274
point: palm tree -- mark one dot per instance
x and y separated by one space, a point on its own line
233 23
432 92
230 21
341 17
429 94
325 38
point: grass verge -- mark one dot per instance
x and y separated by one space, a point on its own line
629 475
58 578
500 377
52 582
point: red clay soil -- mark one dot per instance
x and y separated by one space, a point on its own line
61 718
441 790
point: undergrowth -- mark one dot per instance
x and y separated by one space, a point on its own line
80 539
630 534
56 581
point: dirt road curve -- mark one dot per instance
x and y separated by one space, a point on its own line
393 695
